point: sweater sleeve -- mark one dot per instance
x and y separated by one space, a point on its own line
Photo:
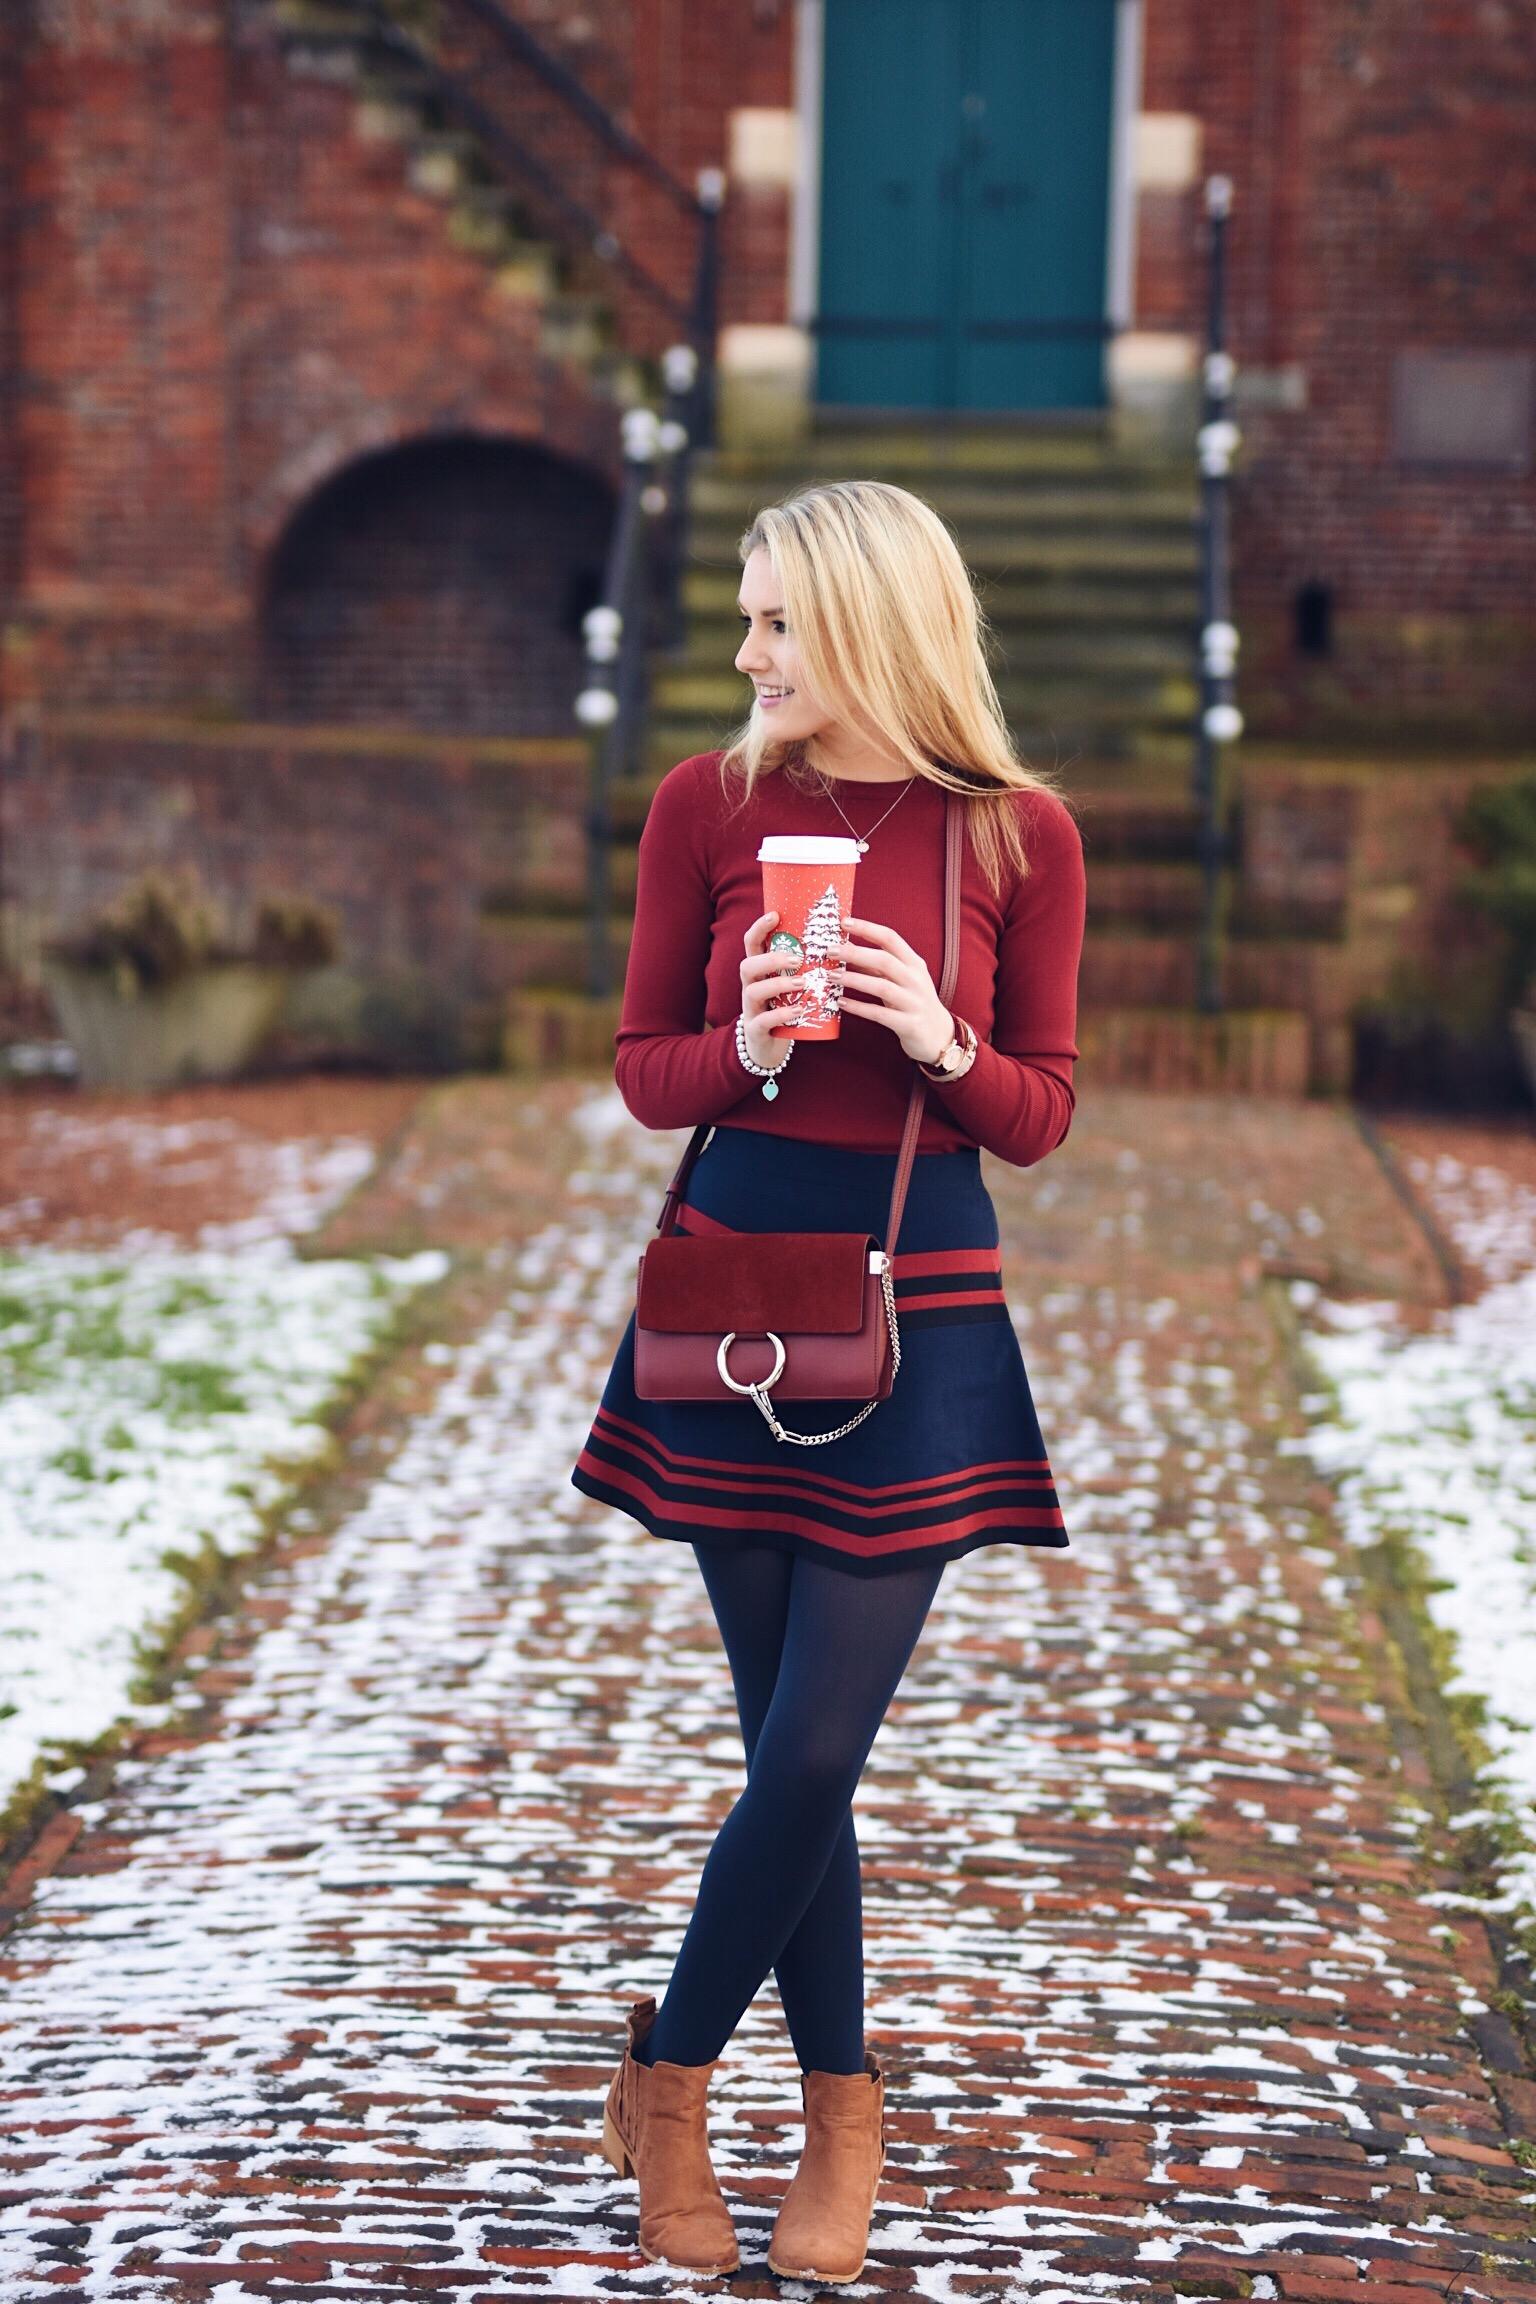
1018 1098
669 1070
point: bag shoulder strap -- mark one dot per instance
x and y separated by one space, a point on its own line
951 969
677 1189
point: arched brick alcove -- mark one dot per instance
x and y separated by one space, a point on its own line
439 584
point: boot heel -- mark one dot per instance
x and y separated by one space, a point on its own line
613 2148
667 2150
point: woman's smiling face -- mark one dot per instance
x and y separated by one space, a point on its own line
768 655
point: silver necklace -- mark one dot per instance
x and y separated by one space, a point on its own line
862 839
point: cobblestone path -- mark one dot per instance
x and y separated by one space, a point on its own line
318 1996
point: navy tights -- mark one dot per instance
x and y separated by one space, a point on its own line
816 1653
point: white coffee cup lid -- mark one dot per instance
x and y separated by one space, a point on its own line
807 848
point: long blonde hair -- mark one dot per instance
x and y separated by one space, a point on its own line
891 637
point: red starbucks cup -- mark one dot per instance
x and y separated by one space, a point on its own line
808 881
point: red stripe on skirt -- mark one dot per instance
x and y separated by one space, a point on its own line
717 1516
1036 1468
949 1296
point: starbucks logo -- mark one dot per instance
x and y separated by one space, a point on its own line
782 941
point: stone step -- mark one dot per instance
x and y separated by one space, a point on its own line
440 162
1082 652
545 1029
546 949
1124 964
1135 749
1145 893
1086 557
1246 1052
1032 707
1109 597
1126 961
718 500
1018 553
1148 893
340 18
1150 815
923 458
319 21
1147 827
1264 1052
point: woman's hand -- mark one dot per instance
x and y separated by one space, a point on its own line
762 977
905 998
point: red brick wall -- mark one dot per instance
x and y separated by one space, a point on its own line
1384 164
13 23
225 296
440 585
411 841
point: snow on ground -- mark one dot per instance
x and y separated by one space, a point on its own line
287 1186
452 1816
155 1399
1434 1435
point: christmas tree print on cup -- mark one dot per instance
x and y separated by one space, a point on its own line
808 881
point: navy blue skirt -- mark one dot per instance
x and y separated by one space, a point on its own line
951 1460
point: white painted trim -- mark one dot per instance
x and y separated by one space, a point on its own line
1125 104
805 228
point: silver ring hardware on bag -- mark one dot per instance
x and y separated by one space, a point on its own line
780 1431
773 1376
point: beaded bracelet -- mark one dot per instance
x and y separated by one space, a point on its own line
767 1073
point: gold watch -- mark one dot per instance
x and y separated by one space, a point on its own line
953 1062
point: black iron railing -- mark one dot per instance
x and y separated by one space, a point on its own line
454 74
641 608
464 96
1220 721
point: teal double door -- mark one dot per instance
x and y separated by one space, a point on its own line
964 203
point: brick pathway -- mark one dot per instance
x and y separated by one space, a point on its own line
319 1996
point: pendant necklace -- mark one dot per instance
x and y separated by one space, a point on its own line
771 1087
863 841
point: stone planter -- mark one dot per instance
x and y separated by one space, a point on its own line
204 1026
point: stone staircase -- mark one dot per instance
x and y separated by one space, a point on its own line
1086 559
368 50
1086 556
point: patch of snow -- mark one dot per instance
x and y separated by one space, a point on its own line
157 1400
1432 1436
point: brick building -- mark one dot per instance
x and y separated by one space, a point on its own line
309 387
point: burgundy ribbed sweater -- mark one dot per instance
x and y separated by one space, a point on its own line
699 891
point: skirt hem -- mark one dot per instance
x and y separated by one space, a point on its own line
789 1540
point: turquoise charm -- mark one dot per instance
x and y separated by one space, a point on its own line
770 1089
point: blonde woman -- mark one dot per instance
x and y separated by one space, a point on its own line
863 638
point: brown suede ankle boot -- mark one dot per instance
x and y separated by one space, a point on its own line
654 2129
822 2231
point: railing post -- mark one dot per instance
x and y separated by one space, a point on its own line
680 370
1220 720
610 704
706 301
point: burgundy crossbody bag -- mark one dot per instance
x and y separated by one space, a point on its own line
808 1315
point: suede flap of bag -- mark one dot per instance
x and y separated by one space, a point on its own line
791 1282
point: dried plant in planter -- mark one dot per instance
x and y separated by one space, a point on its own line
159 929
151 991
294 932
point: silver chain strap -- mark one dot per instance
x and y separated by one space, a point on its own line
813 1439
